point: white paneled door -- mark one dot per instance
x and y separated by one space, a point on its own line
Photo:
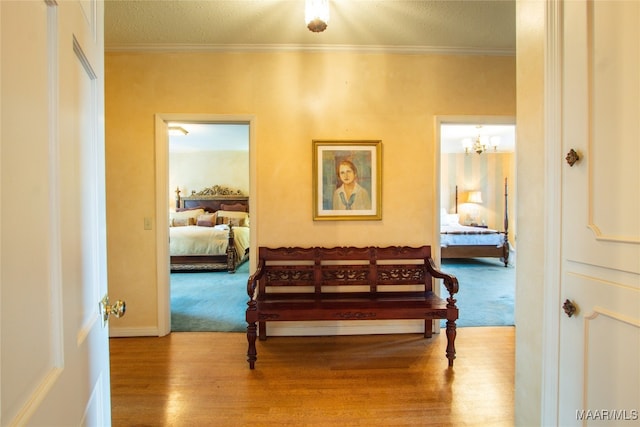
599 369
54 341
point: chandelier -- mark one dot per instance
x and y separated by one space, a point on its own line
481 143
316 15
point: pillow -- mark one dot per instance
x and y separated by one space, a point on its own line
236 222
241 218
191 216
238 207
180 222
207 220
191 213
450 219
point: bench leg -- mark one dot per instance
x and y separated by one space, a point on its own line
451 339
252 354
428 328
262 331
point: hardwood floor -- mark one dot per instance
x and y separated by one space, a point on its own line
203 379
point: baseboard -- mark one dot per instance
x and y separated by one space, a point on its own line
354 327
310 328
512 257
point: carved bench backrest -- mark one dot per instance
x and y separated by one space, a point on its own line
368 269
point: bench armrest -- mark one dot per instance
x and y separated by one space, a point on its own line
252 283
450 281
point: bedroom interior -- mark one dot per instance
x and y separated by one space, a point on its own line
477 190
477 232
209 227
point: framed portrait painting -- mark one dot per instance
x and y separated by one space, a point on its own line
347 178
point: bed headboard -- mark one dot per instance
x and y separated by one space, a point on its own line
214 199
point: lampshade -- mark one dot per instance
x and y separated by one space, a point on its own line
316 15
474 197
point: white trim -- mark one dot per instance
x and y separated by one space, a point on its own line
553 212
415 50
597 311
35 399
55 245
587 322
352 327
437 182
162 234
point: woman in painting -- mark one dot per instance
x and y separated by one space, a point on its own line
350 195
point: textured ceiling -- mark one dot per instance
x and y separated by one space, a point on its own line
457 26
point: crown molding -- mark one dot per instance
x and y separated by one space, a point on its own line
231 48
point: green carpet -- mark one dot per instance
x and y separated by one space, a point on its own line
487 291
209 301
216 301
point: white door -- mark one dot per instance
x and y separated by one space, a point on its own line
54 359
599 370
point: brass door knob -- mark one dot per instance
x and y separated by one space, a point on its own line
107 309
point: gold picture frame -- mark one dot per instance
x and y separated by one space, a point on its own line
347 180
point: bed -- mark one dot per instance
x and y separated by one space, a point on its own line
209 231
462 241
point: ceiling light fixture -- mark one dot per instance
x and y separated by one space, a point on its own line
316 15
177 130
480 144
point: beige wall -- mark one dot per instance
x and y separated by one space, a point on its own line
294 97
195 171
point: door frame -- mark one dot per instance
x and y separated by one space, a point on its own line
162 199
460 120
553 210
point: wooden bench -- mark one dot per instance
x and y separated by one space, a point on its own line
347 283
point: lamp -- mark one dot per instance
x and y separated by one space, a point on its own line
480 144
177 130
474 197
316 15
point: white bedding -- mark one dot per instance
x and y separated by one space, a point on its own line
456 235
196 240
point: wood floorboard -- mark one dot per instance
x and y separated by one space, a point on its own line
203 379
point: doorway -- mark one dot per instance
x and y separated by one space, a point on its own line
207 158
477 215
166 196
